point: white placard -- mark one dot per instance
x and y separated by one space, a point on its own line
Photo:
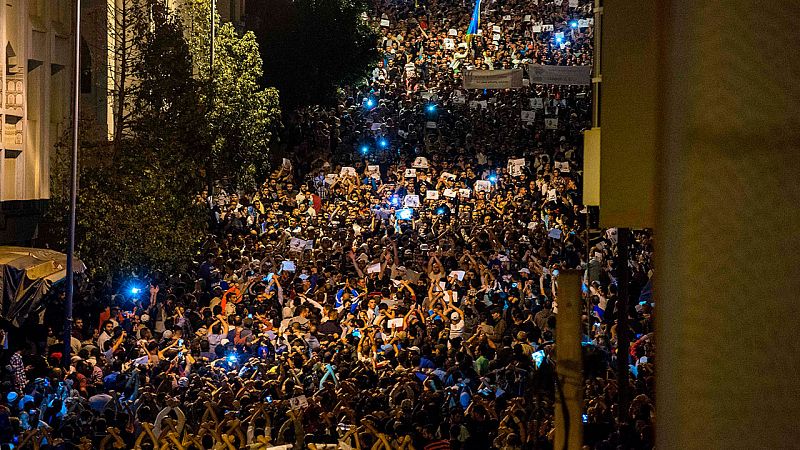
554 233
515 166
298 402
552 195
447 175
551 123
376 126
331 178
449 44
430 125
496 37
573 3
348 171
459 274
410 173
496 28
483 186
411 201
384 22
537 103
420 162
297 245
374 169
449 193
465 192
452 32
507 17
431 194
583 23
547 28
394 324
527 116
288 266
562 166
374 268
536 28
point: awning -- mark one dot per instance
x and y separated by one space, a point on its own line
26 275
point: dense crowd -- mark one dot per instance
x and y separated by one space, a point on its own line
399 290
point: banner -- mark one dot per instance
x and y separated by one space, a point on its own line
493 79
540 74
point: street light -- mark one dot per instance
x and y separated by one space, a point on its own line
73 194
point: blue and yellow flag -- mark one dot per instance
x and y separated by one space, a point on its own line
475 22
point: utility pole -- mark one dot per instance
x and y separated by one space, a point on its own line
73 193
623 337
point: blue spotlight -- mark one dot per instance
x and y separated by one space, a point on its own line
364 149
370 103
493 179
573 24
431 108
383 143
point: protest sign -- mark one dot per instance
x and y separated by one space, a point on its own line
348 171
410 173
420 162
384 22
561 75
431 194
374 268
298 402
551 123
452 32
554 233
459 274
515 166
493 79
411 201
483 186
537 103
527 116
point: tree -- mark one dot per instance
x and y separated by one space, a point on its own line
137 207
311 47
242 115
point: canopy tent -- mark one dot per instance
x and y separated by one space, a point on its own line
26 275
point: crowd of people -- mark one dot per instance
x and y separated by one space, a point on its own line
399 289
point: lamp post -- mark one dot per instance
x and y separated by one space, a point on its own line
73 193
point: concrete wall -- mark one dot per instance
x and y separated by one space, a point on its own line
728 280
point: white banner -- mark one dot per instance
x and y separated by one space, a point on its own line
493 79
541 74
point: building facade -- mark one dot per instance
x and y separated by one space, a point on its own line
36 42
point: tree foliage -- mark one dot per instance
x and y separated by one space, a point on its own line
242 115
136 204
311 47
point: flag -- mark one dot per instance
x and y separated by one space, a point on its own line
475 22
